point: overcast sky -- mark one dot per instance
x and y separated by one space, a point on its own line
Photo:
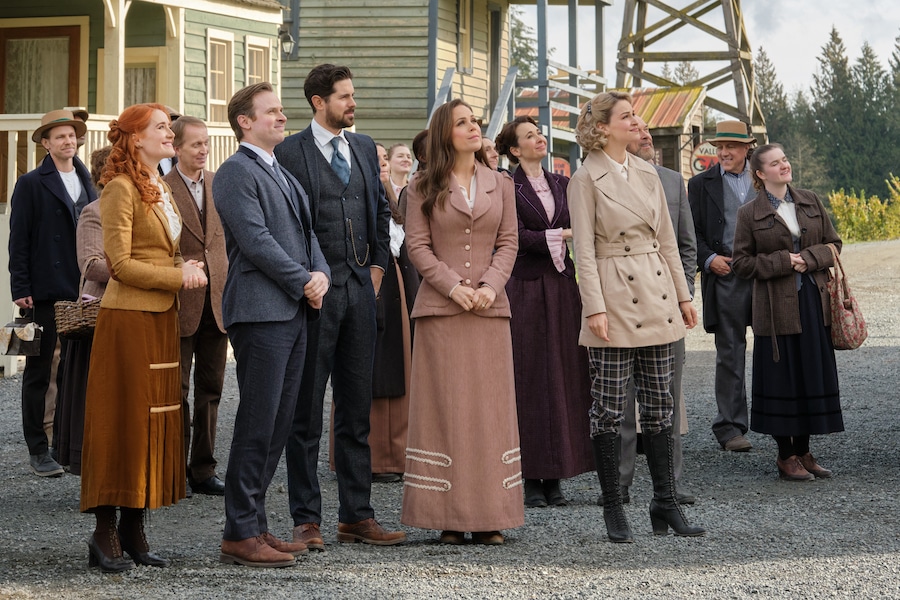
792 32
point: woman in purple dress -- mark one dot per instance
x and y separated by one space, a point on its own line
551 369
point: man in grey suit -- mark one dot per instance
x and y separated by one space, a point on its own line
715 196
341 173
277 278
680 212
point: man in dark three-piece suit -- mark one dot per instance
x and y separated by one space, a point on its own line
340 173
43 268
715 197
277 278
683 223
204 344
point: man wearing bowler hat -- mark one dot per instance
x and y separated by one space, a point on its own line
43 268
715 196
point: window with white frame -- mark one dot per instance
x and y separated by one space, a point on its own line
257 58
220 74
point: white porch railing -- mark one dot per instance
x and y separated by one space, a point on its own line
19 154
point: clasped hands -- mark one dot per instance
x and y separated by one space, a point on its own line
472 299
798 263
192 275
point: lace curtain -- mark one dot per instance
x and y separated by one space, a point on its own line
140 85
37 75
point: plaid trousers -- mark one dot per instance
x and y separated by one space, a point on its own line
612 368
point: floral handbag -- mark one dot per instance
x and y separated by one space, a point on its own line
848 327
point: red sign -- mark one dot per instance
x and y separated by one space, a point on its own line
703 157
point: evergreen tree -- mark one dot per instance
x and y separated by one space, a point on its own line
808 168
835 119
523 45
772 100
667 72
870 89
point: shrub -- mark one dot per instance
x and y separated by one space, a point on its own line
861 219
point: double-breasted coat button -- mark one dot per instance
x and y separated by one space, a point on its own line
638 325
631 278
665 296
468 281
627 248
468 247
468 264
654 244
670 319
621 233
468 230
659 272
634 300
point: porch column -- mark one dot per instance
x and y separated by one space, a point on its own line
175 58
113 91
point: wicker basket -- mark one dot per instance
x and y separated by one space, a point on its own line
75 320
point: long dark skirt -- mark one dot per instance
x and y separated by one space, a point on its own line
798 395
70 404
553 386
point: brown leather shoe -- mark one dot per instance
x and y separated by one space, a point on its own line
792 470
254 552
487 538
369 532
809 463
454 538
292 548
738 443
309 535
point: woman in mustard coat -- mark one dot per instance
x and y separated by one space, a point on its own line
133 455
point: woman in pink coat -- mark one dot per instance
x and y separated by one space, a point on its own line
463 469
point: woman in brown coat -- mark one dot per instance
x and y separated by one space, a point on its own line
636 303
780 242
134 439
463 471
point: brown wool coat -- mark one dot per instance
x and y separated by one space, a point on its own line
89 246
626 254
762 248
200 241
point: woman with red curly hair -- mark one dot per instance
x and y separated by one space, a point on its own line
133 455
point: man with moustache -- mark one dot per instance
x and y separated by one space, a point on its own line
43 267
680 212
341 173
203 339
277 278
715 197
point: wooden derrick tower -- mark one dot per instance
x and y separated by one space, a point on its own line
710 35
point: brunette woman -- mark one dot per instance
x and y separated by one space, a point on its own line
133 436
552 386
781 243
636 304
463 470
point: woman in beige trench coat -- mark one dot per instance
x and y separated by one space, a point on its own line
636 303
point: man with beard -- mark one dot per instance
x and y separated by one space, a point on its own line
341 174
43 268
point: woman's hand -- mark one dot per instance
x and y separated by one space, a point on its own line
688 313
567 234
464 296
192 275
599 326
484 297
798 263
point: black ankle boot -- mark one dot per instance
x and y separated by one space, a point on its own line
534 494
553 493
606 456
134 540
665 511
104 550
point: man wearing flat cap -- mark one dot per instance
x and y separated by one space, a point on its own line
715 196
43 268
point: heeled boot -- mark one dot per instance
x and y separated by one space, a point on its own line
104 550
607 447
134 540
665 511
553 492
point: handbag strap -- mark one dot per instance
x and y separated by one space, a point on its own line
841 277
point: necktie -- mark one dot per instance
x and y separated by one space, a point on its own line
278 174
338 162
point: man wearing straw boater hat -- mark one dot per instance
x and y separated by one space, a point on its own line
715 196
43 268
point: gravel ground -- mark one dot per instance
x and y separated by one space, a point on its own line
766 538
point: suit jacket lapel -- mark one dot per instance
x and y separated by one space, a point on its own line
52 180
485 183
190 218
527 193
559 195
628 194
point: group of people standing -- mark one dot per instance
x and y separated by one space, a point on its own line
519 376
